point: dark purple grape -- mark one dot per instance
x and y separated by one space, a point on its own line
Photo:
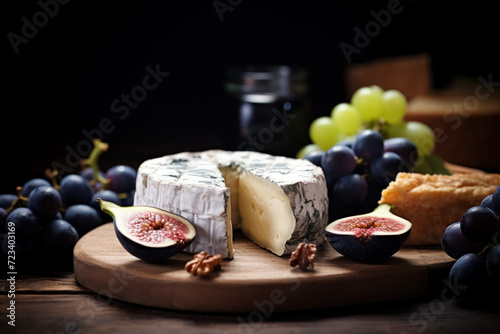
385 168
88 174
75 190
338 161
350 190
59 237
45 202
403 147
479 224
25 223
338 210
493 262
455 244
121 178
6 200
129 200
84 218
347 142
32 184
495 201
368 145
44 221
487 202
372 197
105 195
469 271
315 157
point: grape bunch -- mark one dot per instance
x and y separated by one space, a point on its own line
474 242
384 111
46 219
357 171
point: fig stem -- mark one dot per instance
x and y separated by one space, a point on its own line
107 206
92 161
383 208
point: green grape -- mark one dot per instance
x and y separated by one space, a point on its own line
307 149
376 89
324 132
347 118
395 105
368 102
419 133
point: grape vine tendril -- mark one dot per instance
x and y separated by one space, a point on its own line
92 162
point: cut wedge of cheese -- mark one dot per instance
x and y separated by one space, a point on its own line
266 219
277 202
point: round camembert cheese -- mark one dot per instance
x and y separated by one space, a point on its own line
277 202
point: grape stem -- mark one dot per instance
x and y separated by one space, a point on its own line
379 125
52 176
99 148
366 167
18 202
495 240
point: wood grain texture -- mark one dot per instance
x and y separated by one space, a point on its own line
454 169
90 313
59 282
254 279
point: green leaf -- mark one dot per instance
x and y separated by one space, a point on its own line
431 164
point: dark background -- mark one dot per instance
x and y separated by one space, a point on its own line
64 79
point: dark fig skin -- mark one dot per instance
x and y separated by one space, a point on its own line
141 251
149 254
379 248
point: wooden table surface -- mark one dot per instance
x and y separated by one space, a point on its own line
53 302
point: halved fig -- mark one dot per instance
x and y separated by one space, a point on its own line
149 233
369 237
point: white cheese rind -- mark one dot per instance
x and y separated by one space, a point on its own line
190 184
193 189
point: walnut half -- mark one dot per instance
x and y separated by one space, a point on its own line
304 256
203 264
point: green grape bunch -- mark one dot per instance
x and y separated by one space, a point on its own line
373 108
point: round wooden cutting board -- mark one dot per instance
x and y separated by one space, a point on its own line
255 280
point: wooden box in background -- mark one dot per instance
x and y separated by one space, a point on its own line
465 116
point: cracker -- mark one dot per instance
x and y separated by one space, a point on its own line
432 202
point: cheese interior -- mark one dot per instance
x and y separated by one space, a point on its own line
266 214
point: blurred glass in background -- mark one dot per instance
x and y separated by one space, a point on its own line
268 109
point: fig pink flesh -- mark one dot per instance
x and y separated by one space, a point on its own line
364 227
154 227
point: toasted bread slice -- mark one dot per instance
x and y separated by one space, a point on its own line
432 202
